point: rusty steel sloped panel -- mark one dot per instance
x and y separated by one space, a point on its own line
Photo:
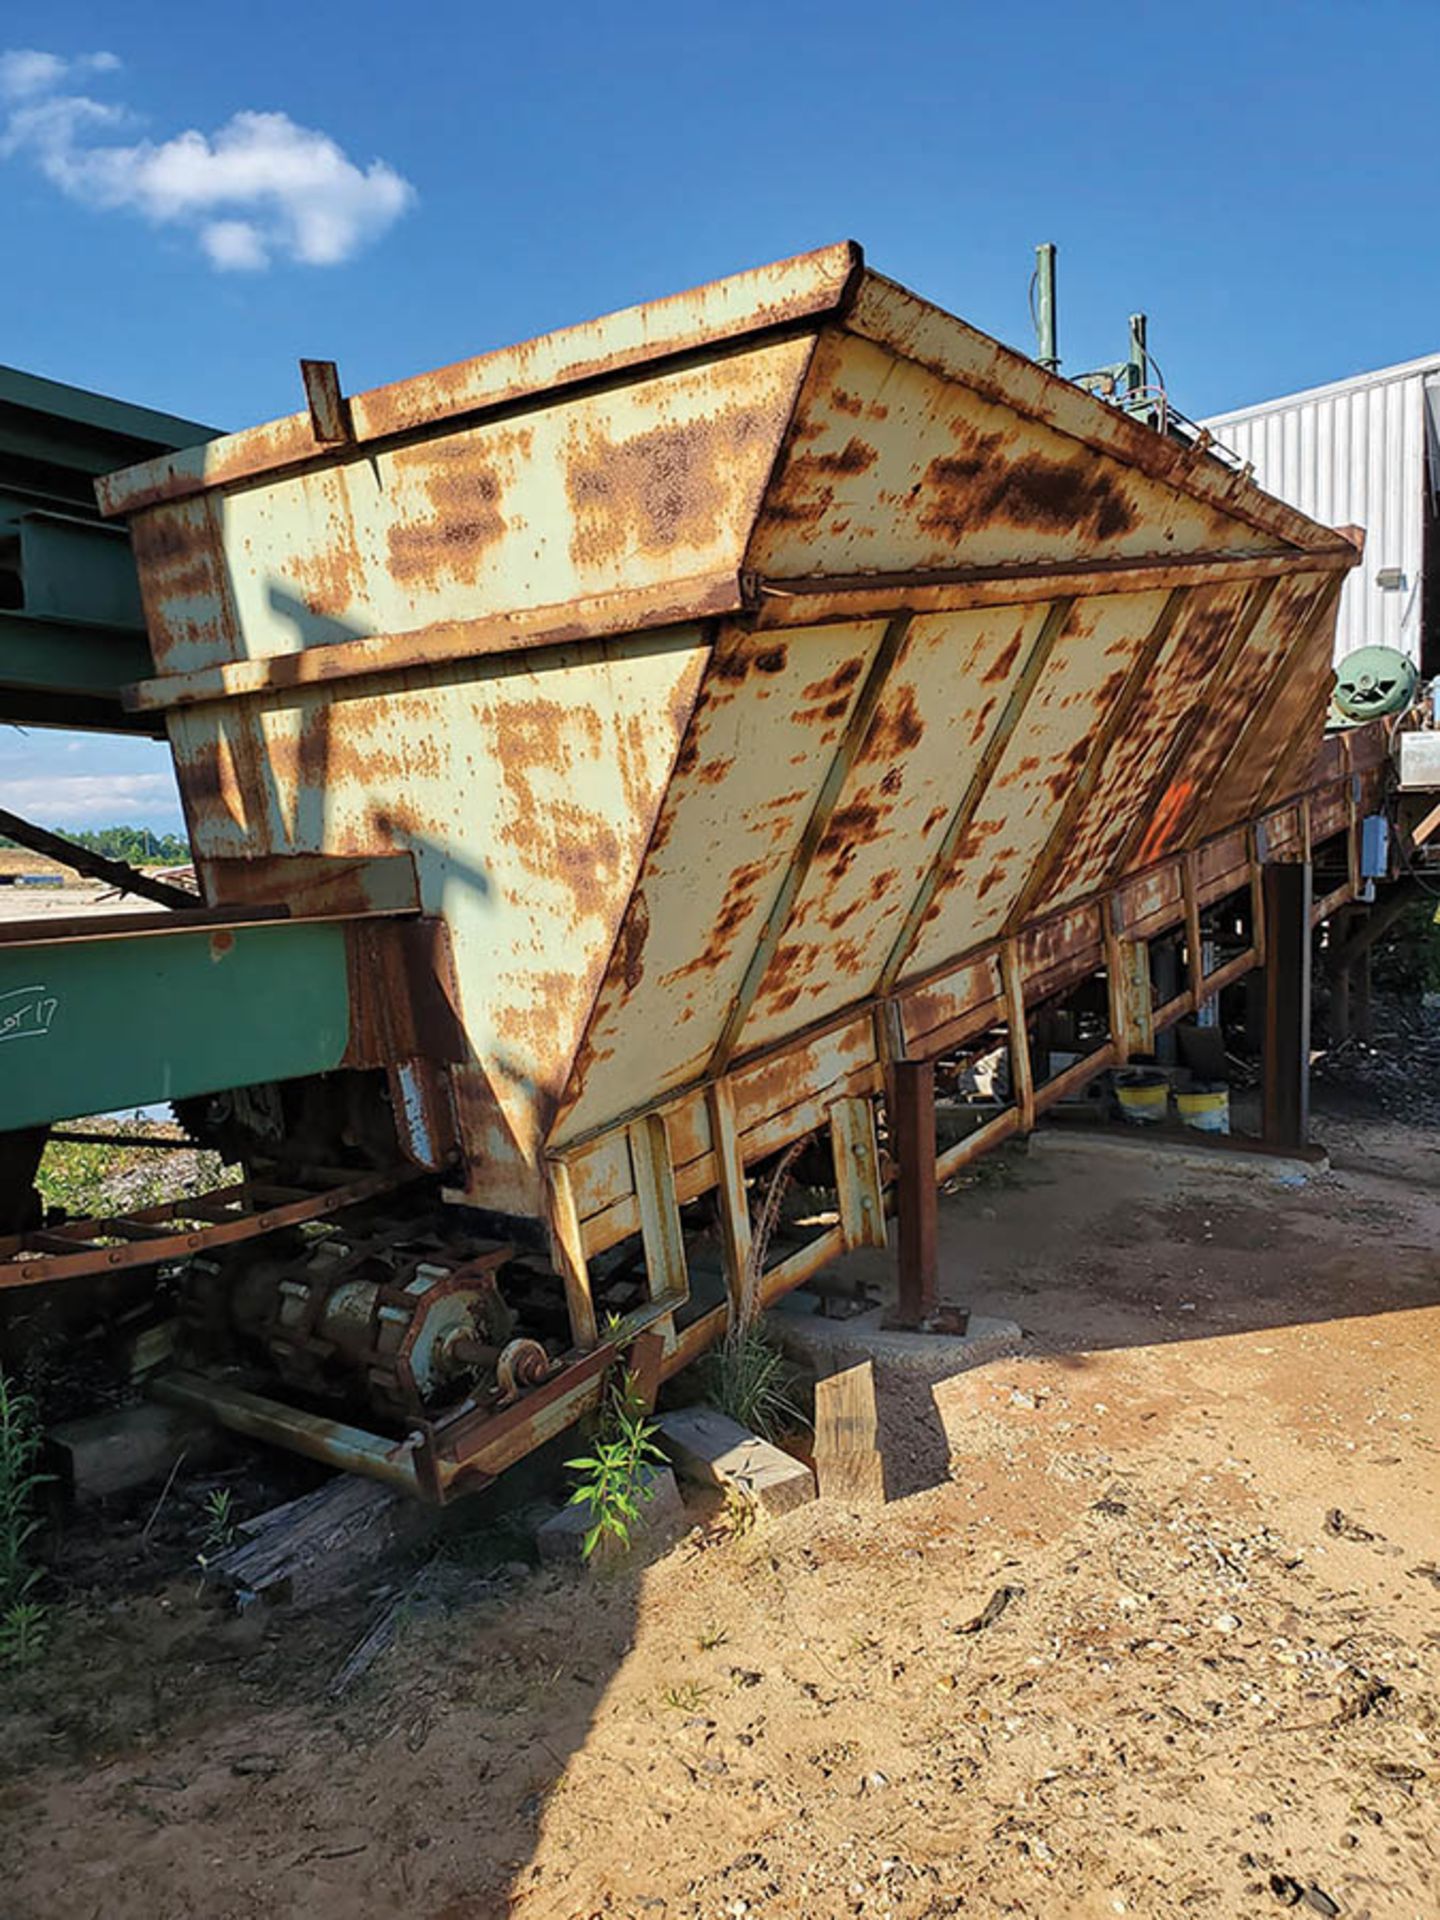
1171 703
781 295
645 487
765 730
525 788
941 701
892 468
1276 750
1092 655
918 331
1212 745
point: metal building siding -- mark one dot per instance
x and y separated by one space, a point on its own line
1352 454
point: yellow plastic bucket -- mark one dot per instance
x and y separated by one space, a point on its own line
1206 1109
1144 1097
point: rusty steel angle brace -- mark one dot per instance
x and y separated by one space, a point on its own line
851 741
1010 716
1103 739
1262 711
1274 789
567 1247
1251 614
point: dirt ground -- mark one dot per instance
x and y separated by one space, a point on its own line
1150 1625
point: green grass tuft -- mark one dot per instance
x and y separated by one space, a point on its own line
747 1376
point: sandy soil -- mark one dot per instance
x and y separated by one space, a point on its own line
1206 1484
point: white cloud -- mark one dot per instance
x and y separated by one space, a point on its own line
25 70
238 245
61 800
259 188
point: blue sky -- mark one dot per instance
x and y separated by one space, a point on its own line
446 178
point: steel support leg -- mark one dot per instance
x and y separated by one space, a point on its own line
1287 1005
916 1196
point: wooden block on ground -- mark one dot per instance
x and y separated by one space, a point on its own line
127 1447
662 1518
710 1448
848 1463
318 1545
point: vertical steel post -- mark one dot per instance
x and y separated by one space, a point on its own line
666 1271
735 1235
1165 974
1287 1004
916 1197
1139 356
567 1251
1047 329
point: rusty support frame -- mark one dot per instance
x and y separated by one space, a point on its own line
567 1252
858 1185
1194 941
154 1235
1127 981
612 1214
735 1234
471 1450
1022 1067
332 1442
660 1232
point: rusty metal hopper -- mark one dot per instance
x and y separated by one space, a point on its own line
766 683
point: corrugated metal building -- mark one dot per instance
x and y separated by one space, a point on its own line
1362 452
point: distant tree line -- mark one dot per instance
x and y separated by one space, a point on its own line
136 845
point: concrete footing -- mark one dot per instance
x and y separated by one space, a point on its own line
1222 1153
561 1539
826 1344
106 1453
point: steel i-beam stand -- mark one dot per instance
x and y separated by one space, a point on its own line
1287 1006
916 1197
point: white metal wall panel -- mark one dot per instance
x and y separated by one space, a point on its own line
1352 454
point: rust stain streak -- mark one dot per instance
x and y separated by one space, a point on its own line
813 834
1114 716
1266 712
1052 626
1169 800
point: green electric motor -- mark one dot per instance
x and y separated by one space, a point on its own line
1373 682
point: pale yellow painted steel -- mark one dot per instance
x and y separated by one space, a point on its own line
1087 668
526 789
895 468
944 695
780 294
1180 681
601 492
764 734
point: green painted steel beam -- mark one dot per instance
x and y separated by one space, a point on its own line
99 1025
74 569
65 656
98 412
